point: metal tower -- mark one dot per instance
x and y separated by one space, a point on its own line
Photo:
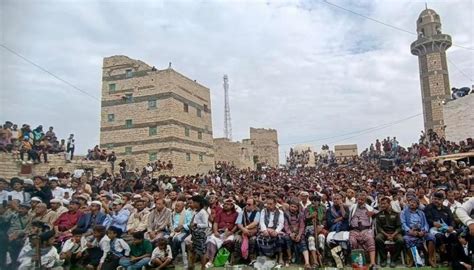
227 120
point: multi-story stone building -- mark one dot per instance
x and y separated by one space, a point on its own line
265 146
345 150
149 114
430 47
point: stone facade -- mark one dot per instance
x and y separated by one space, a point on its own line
149 114
430 47
459 118
265 146
240 154
10 168
262 147
345 150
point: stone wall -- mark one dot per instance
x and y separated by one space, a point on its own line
240 154
10 168
149 114
265 145
459 118
345 150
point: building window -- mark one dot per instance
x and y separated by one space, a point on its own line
111 117
128 150
112 87
199 135
186 132
205 108
152 156
206 128
201 157
128 123
185 107
128 73
152 104
110 145
153 131
198 112
188 157
129 98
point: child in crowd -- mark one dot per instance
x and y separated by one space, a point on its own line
162 255
72 247
116 250
96 248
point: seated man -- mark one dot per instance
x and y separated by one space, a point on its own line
337 222
389 228
247 223
416 229
159 221
315 221
20 223
67 222
294 229
118 216
138 220
360 220
441 222
43 214
272 222
94 217
181 218
223 232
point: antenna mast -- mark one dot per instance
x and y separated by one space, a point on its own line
227 120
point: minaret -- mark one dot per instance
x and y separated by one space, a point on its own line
430 47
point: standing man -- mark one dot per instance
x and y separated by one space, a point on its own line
70 147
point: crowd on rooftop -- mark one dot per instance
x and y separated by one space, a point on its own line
312 216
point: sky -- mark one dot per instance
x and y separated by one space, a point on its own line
315 73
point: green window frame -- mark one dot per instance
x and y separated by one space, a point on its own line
186 132
110 117
129 123
112 87
128 150
152 131
152 156
128 73
152 104
129 98
188 156
199 135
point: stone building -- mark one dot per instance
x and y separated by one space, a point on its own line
240 154
430 47
345 150
261 148
265 146
459 119
149 114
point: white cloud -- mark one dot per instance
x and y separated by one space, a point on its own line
306 68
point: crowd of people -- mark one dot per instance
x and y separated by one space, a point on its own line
312 216
33 144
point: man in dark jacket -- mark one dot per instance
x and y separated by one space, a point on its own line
88 221
441 222
41 190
